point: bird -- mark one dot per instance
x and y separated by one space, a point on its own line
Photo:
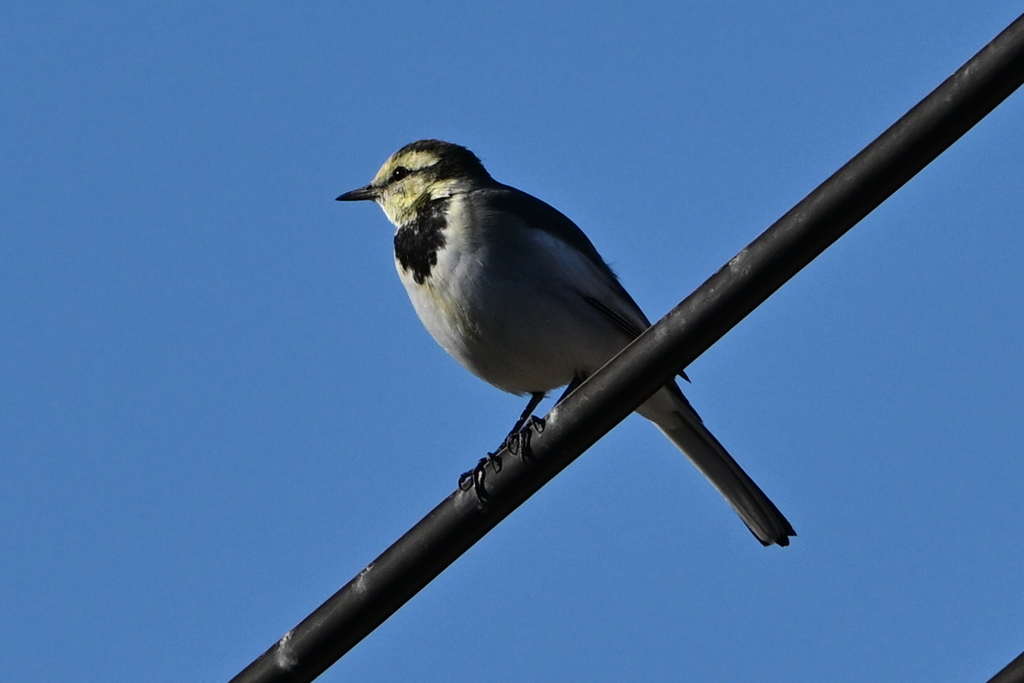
516 293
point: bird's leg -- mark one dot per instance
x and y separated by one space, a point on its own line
576 381
518 440
535 399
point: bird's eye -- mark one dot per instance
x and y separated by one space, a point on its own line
399 173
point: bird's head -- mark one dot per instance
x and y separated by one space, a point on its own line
418 174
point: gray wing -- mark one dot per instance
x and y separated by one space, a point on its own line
534 212
624 313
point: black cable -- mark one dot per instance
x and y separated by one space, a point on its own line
1011 673
669 346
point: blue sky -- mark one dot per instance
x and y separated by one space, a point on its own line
217 405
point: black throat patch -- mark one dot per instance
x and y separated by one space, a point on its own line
417 243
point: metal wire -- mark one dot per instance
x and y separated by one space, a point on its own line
666 348
1011 673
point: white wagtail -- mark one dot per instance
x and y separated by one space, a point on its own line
517 294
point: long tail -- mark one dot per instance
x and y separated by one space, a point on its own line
677 420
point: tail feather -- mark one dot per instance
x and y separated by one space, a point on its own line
677 420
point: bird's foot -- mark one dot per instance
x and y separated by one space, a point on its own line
518 440
517 443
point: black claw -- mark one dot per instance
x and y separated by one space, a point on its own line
479 474
476 476
495 461
518 442
538 423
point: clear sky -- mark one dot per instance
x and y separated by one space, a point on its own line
217 405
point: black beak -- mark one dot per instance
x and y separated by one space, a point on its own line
368 192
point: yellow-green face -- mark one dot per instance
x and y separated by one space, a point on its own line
407 181
418 173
